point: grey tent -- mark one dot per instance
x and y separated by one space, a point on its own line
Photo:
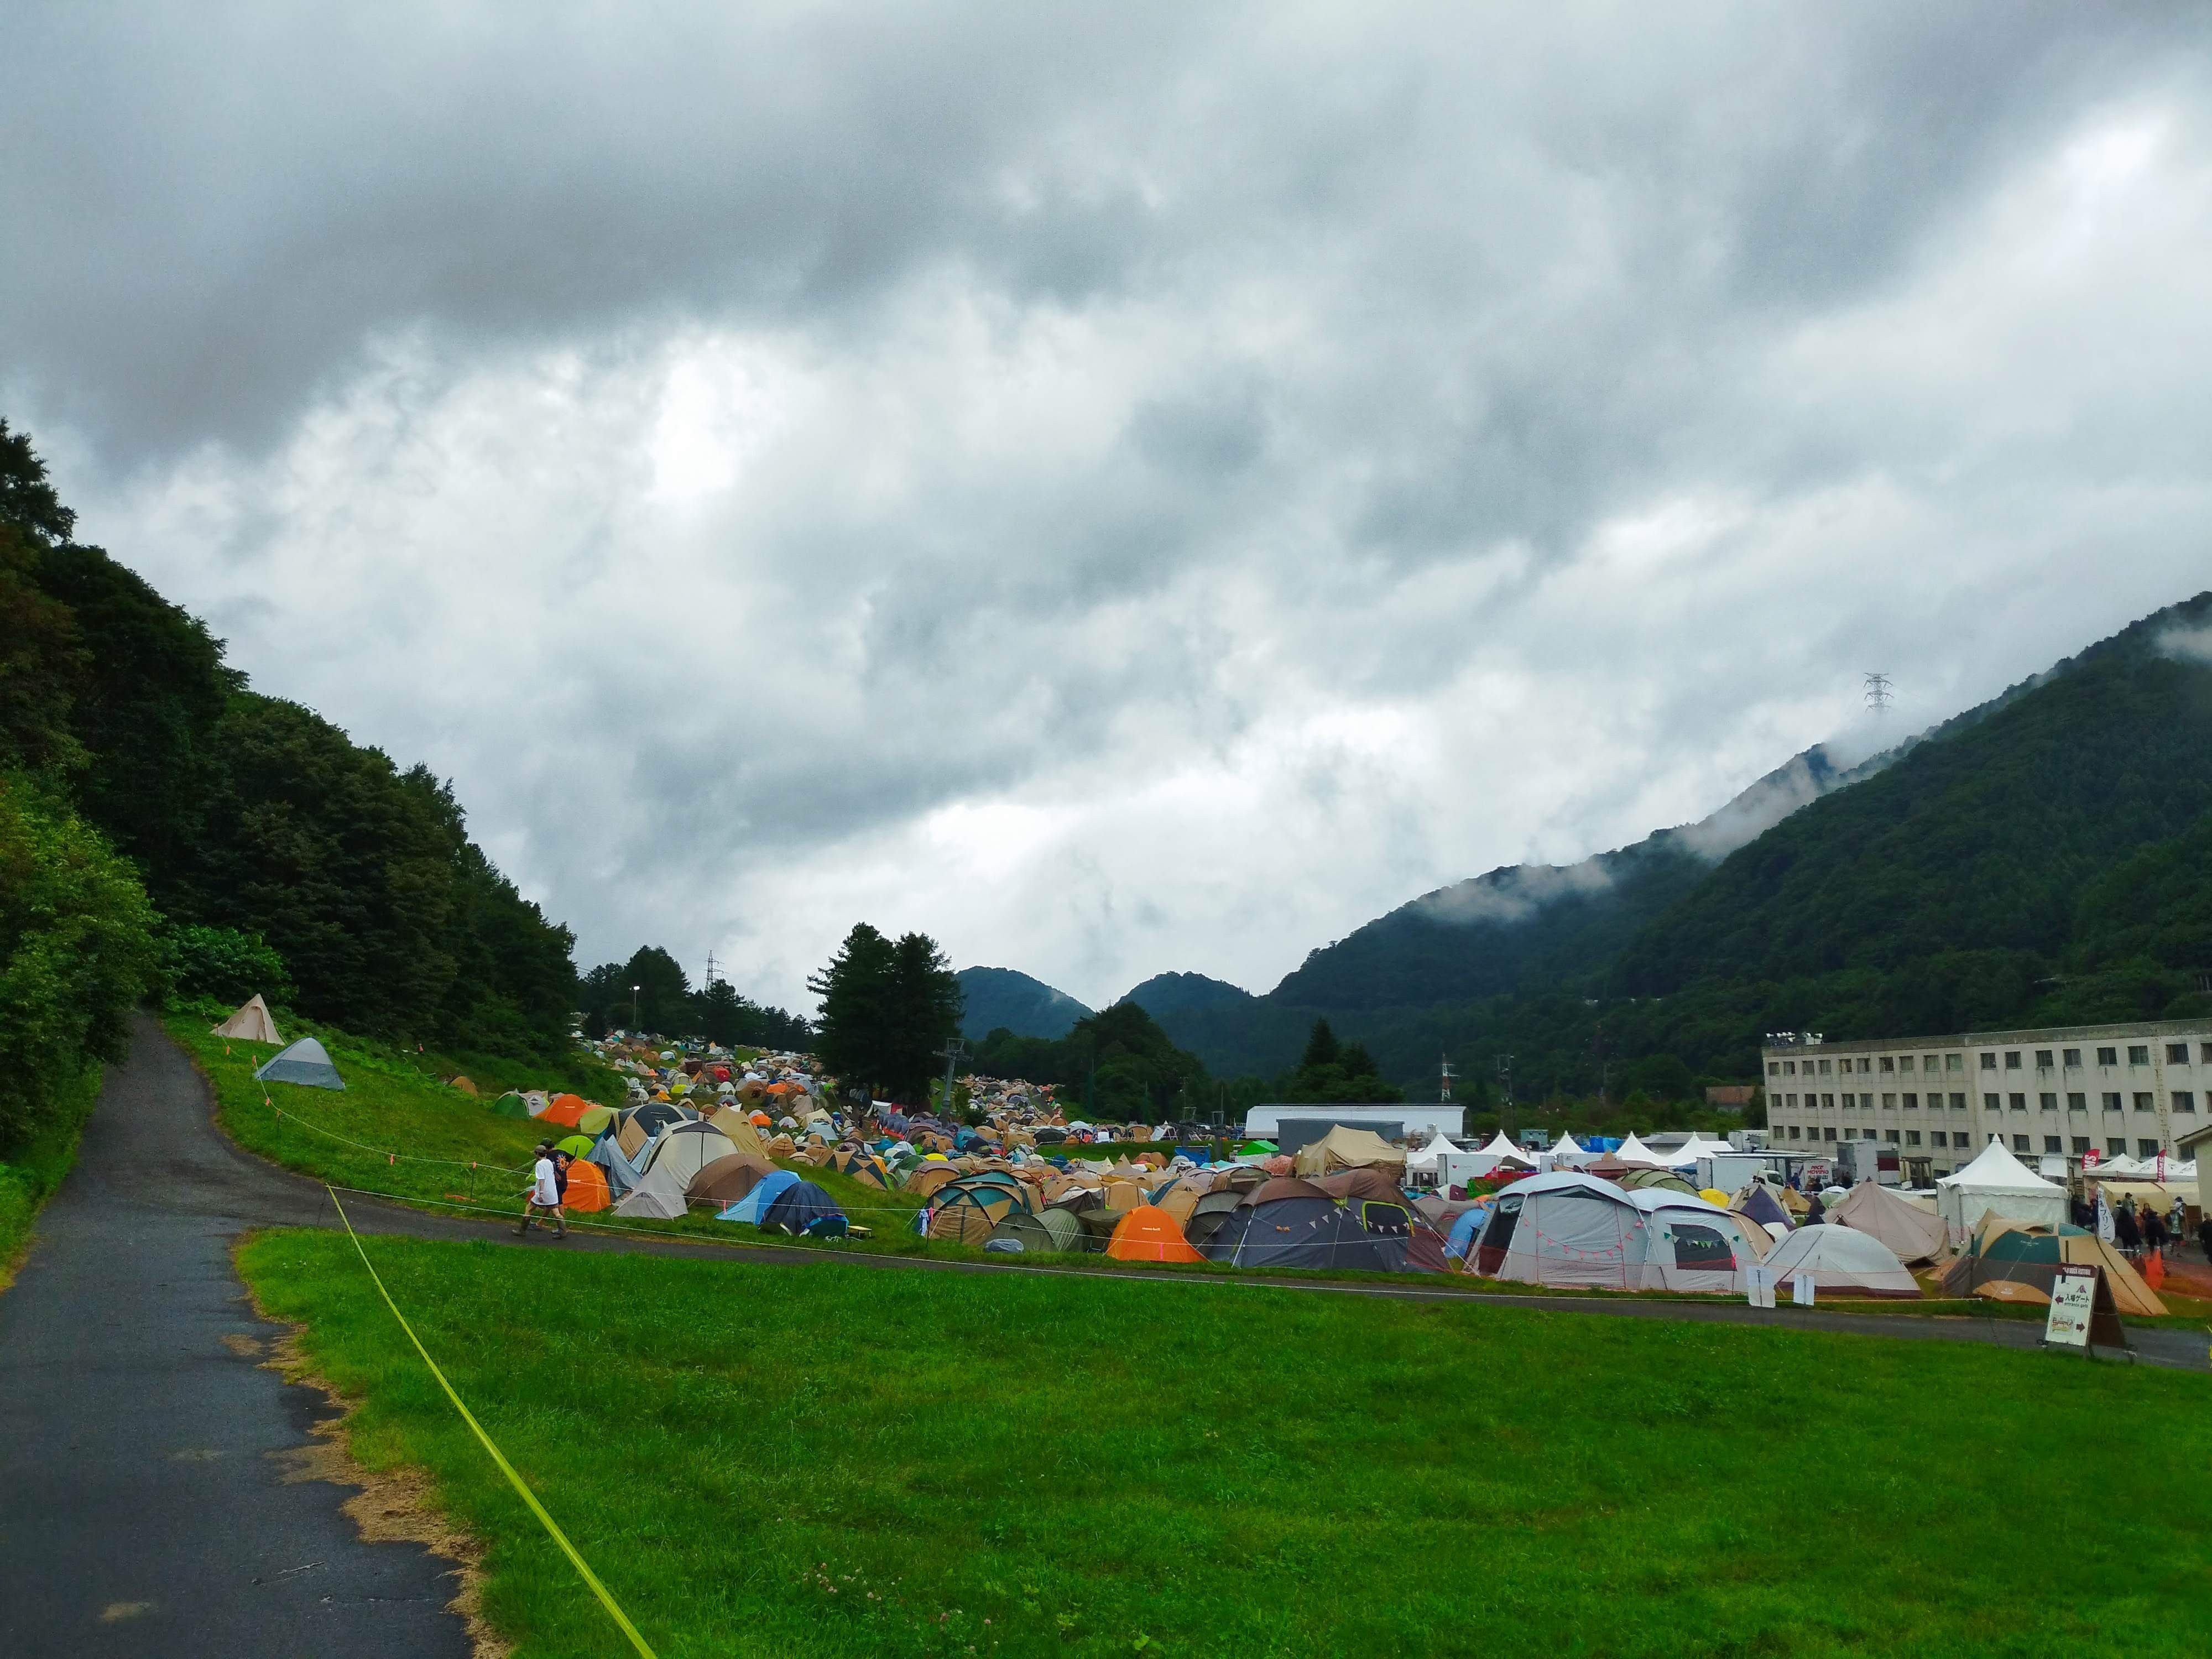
659 1195
307 1063
1051 1229
622 1174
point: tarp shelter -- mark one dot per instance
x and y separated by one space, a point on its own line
804 1210
686 1149
251 1023
1840 1260
1911 1232
587 1190
726 1180
1346 1148
1149 1233
1996 1183
2003 1252
1049 1230
307 1063
754 1205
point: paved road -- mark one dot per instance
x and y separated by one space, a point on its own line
140 1511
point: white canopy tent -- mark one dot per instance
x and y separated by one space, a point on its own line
1633 1150
1687 1155
1996 1183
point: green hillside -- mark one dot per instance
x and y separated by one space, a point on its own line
1001 999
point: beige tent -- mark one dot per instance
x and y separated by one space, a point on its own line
1911 1233
251 1023
738 1128
464 1084
1344 1148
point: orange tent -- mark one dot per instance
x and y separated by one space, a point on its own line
587 1188
1149 1233
565 1110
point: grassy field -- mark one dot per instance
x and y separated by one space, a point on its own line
815 1461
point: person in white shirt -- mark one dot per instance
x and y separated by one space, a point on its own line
545 1195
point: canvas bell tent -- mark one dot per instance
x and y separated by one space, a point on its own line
251 1023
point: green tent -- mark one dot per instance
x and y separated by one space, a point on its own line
575 1146
510 1104
1258 1149
1048 1231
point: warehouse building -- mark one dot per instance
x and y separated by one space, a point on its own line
2140 1090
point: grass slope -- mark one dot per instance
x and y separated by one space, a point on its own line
28 1179
822 1462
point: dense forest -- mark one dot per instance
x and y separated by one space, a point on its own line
652 993
164 826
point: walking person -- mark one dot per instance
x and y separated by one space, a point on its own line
545 1195
2125 1232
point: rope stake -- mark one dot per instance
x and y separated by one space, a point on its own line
583 1570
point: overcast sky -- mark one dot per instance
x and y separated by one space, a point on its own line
1121 488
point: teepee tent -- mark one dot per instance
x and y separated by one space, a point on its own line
251 1023
307 1063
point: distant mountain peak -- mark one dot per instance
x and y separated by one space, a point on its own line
1006 997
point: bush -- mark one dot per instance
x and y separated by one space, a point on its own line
224 964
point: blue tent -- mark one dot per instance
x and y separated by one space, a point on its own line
754 1205
803 1208
622 1174
1465 1231
305 1063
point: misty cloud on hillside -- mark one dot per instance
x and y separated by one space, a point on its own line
1122 490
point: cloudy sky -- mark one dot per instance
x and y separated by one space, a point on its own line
1119 488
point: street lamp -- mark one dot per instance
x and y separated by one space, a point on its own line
633 1010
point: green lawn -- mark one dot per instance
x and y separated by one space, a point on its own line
817 1460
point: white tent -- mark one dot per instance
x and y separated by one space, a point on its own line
251 1023
658 1194
1633 1150
1430 1155
1566 1146
306 1062
1576 1229
1996 1183
1694 1148
1840 1260
1499 1148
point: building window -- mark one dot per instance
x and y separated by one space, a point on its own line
2077 1102
2205 1053
1829 1134
1957 1103
2184 1100
2138 1053
2050 1144
2146 1149
2080 1144
2018 1102
1904 1062
1912 1137
1911 1102
2108 1056
2019 1143
2116 1146
2112 1101
2074 1058
1891 1137
2048 1102
1989 1062
2177 1053
1889 1103
1774 1068
2145 1102
1991 1103
2043 1059
1889 1065
1950 1062
1790 1068
1849 1101
2012 1059
1828 1100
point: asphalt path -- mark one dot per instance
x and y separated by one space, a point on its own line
144 1507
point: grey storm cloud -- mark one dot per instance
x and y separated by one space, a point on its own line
1128 487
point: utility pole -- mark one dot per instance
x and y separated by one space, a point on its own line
633 1010
1879 693
1443 1098
1505 1072
954 1051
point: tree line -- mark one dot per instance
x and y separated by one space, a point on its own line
652 993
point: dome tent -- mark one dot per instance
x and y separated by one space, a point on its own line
305 1063
1840 1260
1149 1233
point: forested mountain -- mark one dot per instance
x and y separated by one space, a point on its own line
1166 995
1003 998
2041 857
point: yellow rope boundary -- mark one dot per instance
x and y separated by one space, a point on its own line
552 1528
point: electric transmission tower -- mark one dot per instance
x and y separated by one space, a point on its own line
1879 693
1449 1073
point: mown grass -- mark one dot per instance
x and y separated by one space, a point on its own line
763 1461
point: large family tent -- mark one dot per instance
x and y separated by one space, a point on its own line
251 1023
1911 1233
969 1210
588 1189
1207 1215
726 1180
1149 1233
2004 1254
1996 1183
687 1148
307 1063
1577 1230
1838 1261
1288 1222
754 1205
804 1210
1046 1231
1345 1148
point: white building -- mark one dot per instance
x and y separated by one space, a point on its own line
2107 1088
1391 1122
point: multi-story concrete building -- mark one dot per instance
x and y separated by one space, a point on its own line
2107 1088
